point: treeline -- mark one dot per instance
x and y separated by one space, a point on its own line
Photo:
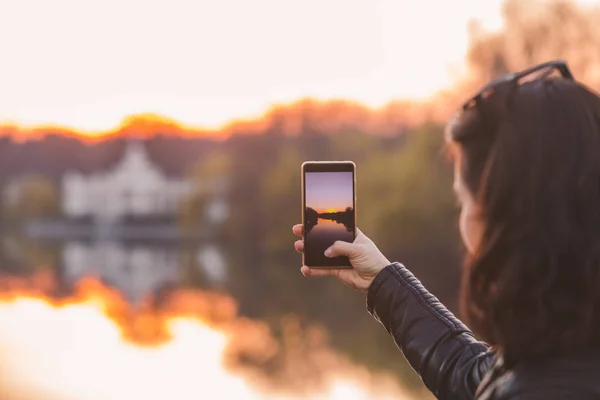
52 155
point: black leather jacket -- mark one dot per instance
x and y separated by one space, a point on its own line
453 364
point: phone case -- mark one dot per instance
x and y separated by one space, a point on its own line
303 206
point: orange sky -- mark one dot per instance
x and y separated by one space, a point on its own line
88 64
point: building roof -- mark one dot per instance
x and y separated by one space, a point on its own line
54 155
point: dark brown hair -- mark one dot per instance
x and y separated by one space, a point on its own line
530 156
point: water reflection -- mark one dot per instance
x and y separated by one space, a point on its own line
136 269
213 264
322 230
139 269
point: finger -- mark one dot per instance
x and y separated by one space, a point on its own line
299 246
361 237
360 234
297 229
340 248
310 272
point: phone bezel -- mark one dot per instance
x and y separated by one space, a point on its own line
327 166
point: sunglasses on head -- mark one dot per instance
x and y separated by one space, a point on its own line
540 71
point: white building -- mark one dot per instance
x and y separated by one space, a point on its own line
134 186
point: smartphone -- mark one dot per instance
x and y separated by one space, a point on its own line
328 210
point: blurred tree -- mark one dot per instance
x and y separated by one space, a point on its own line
407 207
31 196
192 212
216 164
190 270
354 145
207 175
536 31
408 189
22 255
245 230
281 196
38 255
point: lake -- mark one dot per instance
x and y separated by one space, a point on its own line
323 235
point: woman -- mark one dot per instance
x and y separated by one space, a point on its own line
526 153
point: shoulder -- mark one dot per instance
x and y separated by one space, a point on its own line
558 379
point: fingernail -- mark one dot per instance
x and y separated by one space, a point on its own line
328 252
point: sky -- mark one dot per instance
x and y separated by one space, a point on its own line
88 64
329 191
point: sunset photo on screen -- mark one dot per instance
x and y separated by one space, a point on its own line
329 215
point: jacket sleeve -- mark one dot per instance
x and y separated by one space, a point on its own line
439 347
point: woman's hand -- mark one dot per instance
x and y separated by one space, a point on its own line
365 257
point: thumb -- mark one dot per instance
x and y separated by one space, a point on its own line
340 248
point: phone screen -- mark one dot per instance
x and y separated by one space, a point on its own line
329 213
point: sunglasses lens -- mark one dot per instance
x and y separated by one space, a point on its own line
542 73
